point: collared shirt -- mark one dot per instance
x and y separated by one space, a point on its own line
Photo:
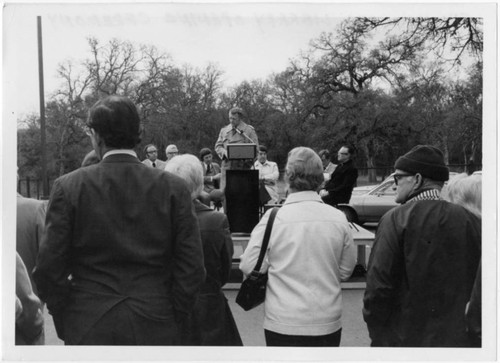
120 151
330 168
270 174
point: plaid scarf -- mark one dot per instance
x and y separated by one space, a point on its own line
430 194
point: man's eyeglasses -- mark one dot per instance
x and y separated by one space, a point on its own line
151 151
343 153
399 176
173 153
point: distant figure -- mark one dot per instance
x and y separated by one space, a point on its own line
268 174
121 259
236 132
212 322
423 261
343 179
211 192
211 171
171 151
151 152
90 159
328 166
311 250
29 230
29 316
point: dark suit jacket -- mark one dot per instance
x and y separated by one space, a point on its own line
212 322
30 224
341 183
127 234
210 185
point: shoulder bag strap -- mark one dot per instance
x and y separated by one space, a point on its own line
265 241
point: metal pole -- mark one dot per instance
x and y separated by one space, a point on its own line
45 183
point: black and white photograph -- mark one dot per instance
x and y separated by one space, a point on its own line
249 181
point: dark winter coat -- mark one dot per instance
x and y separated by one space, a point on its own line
341 183
420 275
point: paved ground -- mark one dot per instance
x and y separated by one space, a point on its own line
354 333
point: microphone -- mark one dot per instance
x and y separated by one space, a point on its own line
238 130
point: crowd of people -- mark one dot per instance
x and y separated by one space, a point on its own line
136 253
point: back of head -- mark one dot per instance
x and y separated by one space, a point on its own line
116 120
304 169
425 160
465 191
189 168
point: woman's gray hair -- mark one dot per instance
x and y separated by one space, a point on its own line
304 169
189 168
465 191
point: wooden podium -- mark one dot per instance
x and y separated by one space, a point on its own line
242 200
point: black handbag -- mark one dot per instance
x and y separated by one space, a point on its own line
253 289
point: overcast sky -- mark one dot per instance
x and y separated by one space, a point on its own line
246 40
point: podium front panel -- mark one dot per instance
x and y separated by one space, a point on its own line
242 200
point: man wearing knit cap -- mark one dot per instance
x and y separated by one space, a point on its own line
423 261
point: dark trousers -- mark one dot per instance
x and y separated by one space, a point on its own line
280 340
120 326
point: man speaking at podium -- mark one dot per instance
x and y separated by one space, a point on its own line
237 132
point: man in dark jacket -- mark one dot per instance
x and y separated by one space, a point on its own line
343 179
121 259
423 262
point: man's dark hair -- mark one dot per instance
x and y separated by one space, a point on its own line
324 153
350 148
116 120
263 149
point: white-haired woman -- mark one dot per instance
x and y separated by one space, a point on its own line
465 191
310 252
211 322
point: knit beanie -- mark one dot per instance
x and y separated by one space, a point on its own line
425 160
204 151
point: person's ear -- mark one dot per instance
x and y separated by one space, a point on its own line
419 180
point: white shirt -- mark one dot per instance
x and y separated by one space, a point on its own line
119 151
269 172
311 250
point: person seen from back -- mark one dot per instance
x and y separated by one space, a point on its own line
466 191
121 259
423 261
211 322
310 252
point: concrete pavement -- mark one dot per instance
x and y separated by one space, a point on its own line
354 333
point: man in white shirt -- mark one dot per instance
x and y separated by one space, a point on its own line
152 160
171 151
268 174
